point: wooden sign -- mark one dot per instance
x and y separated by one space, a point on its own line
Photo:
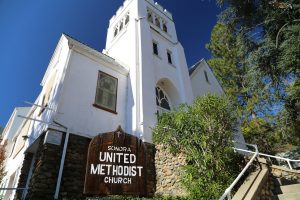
116 165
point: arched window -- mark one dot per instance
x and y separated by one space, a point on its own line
149 17
157 22
121 26
165 28
116 32
162 101
127 19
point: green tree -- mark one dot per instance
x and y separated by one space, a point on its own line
2 160
203 131
256 56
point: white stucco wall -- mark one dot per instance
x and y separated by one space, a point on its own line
14 122
200 85
78 96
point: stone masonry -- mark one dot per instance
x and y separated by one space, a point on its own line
43 181
45 172
74 168
168 170
24 174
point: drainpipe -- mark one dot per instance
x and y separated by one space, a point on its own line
62 162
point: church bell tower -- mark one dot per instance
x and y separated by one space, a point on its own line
142 37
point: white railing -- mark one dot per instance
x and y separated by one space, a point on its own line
288 160
227 192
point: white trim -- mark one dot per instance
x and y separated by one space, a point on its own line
96 56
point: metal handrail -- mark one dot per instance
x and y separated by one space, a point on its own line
288 160
256 153
228 190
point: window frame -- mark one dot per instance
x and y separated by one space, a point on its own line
97 105
127 18
165 96
149 16
153 48
206 77
169 57
165 27
116 31
157 21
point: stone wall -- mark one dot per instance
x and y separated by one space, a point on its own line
277 176
288 174
151 172
44 176
74 168
24 174
168 170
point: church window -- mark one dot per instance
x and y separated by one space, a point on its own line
155 48
150 19
127 19
106 92
115 32
169 55
157 22
165 28
206 76
162 101
121 26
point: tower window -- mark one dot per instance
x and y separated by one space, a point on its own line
157 22
116 32
121 26
106 92
206 76
149 17
127 19
169 54
165 28
155 48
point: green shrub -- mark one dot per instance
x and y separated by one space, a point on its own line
203 131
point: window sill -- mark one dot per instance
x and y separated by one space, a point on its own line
171 64
103 108
157 56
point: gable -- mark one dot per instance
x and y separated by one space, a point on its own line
203 80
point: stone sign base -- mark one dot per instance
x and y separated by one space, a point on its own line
46 166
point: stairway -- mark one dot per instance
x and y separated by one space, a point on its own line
289 192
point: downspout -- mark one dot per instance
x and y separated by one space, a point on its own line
139 132
62 161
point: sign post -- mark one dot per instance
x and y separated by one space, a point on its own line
116 165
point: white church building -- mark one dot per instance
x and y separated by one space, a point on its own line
142 71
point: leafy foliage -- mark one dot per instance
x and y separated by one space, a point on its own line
256 57
203 131
2 160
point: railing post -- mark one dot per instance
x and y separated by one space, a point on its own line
288 161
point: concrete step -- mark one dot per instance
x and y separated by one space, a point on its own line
289 196
290 188
252 185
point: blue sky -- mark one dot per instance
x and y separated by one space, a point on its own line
30 30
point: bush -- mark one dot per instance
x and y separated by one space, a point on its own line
203 131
